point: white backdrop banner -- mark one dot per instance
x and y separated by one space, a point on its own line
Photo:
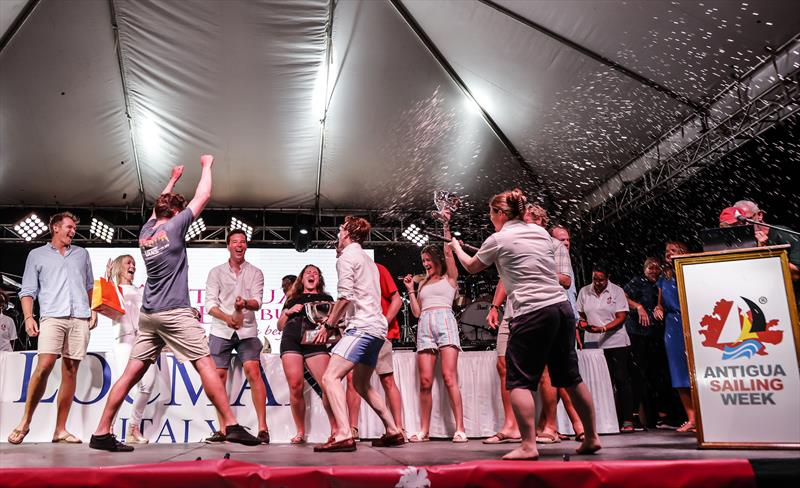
274 263
744 352
179 411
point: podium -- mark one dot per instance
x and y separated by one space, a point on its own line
741 329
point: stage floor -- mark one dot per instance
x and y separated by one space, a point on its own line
651 446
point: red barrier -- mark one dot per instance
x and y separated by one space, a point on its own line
500 474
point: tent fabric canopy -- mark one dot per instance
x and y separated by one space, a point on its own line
93 115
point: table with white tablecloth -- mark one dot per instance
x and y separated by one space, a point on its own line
178 410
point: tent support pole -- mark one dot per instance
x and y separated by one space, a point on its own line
448 68
18 22
126 98
328 52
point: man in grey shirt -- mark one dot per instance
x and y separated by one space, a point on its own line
167 317
59 275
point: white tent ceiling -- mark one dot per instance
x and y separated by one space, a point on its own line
245 80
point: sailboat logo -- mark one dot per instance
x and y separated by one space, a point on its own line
741 334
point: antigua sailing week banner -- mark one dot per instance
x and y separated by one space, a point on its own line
740 325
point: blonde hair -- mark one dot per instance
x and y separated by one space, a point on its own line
116 267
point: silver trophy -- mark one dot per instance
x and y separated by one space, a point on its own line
444 201
317 313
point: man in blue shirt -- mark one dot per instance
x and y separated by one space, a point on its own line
59 275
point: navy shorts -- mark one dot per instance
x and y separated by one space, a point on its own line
544 337
247 349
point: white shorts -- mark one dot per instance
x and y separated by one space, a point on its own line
436 329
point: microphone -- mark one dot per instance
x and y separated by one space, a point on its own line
742 218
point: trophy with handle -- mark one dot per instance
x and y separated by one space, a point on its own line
446 203
317 313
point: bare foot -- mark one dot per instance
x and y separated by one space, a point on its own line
589 446
522 453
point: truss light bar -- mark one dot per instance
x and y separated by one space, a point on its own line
30 227
197 227
239 224
101 230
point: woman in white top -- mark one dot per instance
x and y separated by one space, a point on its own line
542 332
437 331
121 271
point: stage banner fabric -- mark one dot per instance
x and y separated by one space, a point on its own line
179 410
740 324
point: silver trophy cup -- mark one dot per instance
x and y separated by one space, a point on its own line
444 200
317 313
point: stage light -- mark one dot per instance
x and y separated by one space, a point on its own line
197 227
238 224
101 230
30 227
303 231
415 235
456 233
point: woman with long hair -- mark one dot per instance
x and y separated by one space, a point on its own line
437 332
308 287
120 271
542 330
669 310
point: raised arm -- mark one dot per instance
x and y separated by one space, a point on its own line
177 171
452 269
471 263
203 192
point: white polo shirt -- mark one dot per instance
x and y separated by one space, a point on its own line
8 332
525 259
601 310
359 282
223 286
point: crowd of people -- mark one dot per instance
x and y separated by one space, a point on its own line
541 317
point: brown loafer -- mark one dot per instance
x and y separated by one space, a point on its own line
387 440
347 445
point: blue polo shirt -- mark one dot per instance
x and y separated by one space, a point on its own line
60 283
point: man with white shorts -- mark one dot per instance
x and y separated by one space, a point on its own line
59 275
359 301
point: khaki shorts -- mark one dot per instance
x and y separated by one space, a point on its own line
177 329
502 338
65 336
384 365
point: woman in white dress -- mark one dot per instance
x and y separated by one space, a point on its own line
120 271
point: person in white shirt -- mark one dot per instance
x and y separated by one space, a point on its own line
359 302
121 271
234 291
8 329
603 307
542 331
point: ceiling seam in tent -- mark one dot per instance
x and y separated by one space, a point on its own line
597 57
18 22
323 120
448 68
126 98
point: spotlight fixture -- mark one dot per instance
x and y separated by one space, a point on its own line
30 227
101 230
302 234
195 229
238 224
415 235
457 233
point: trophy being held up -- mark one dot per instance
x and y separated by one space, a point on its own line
446 203
317 313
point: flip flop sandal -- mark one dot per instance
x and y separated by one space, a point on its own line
298 439
563 437
419 437
67 439
17 436
460 437
545 438
580 437
501 438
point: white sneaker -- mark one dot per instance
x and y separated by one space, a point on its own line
133 436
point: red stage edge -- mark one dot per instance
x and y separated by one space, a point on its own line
502 474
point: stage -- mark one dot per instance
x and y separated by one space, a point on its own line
654 458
